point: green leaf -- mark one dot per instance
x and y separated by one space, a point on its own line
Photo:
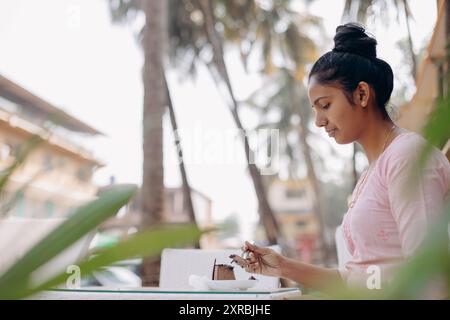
433 258
146 244
437 129
85 219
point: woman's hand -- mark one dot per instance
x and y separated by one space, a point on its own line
262 260
268 262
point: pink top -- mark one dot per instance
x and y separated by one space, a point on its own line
386 225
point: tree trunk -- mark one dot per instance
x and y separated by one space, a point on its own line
410 44
347 10
312 177
361 15
310 170
187 199
268 219
154 107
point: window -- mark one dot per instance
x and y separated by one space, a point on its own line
84 173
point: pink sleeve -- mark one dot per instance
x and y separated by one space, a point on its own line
415 200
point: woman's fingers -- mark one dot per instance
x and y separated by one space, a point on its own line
253 248
253 268
250 246
239 260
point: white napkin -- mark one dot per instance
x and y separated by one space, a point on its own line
198 282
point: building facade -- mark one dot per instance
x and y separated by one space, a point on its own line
292 202
57 175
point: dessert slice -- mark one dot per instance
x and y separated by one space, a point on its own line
223 272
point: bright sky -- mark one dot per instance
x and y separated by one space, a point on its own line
69 53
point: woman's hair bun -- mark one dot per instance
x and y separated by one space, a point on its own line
352 38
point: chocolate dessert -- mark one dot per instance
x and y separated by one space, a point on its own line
223 272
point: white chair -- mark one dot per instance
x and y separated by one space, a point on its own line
178 264
342 252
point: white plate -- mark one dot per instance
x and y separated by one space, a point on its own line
231 284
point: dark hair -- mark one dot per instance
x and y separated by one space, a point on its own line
354 59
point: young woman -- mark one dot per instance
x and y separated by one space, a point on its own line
349 88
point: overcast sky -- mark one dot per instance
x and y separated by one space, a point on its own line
69 53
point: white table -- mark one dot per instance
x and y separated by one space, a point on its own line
148 293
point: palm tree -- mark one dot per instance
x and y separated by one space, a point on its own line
290 102
296 50
248 22
362 12
268 219
192 30
293 45
126 11
187 197
190 33
154 107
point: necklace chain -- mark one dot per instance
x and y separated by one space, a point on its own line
360 185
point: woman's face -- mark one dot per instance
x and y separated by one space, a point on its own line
342 120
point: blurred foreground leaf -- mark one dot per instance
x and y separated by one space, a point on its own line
437 129
143 244
85 219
